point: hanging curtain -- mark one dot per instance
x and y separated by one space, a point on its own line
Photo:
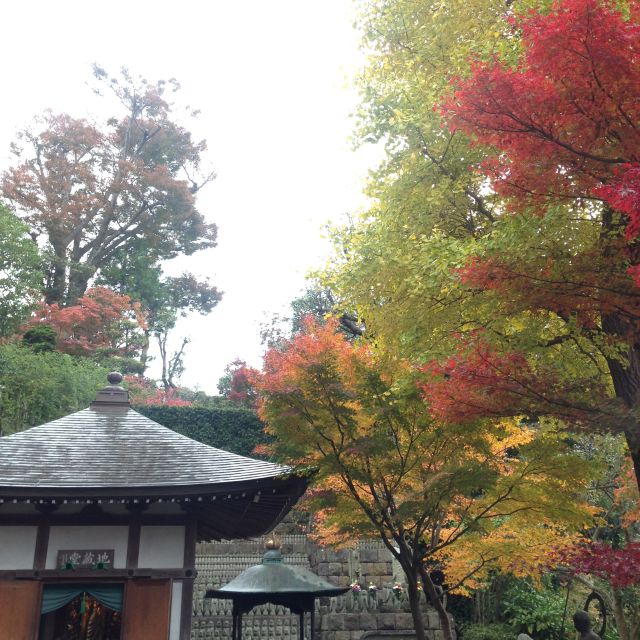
54 597
110 595
58 595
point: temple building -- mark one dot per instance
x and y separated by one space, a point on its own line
100 512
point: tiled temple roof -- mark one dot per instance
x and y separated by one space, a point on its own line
109 452
118 447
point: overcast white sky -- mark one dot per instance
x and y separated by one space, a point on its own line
272 82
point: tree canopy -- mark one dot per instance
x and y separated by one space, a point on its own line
385 467
87 191
496 269
491 256
563 124
107 203
20 272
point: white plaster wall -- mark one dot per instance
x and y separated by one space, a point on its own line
164 508
176 604
161 547
17 547
69 508
87 537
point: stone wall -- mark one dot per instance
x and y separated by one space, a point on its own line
372 614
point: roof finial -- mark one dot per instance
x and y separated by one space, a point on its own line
113 395
272 543
115 378
272 555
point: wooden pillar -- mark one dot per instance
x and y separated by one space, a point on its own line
133 542
42 545
146 610
313 620
189 563
20 610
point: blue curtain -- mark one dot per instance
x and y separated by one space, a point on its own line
110 595
58 595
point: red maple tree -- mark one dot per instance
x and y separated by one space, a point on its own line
620 567
481 381
143 391
563 125
568 115
101 321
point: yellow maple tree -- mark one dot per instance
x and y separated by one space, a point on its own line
463 495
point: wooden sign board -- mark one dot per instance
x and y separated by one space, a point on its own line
85 559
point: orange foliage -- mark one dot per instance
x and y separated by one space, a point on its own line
627 496
522 551
385 467
317 344
143 391
168 398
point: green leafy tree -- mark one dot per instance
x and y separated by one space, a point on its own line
163 298
318 302
20 272
177 297
39 387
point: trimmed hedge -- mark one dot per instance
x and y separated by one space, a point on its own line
236 430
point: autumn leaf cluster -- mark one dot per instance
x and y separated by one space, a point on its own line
382 465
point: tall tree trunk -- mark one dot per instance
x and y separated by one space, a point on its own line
164 358
79 275
144 352
57 281
416 610
436 601
632 434
626 384
406 557
619 616
625 376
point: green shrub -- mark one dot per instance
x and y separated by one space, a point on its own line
39 387
488 632
534 611
40 338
